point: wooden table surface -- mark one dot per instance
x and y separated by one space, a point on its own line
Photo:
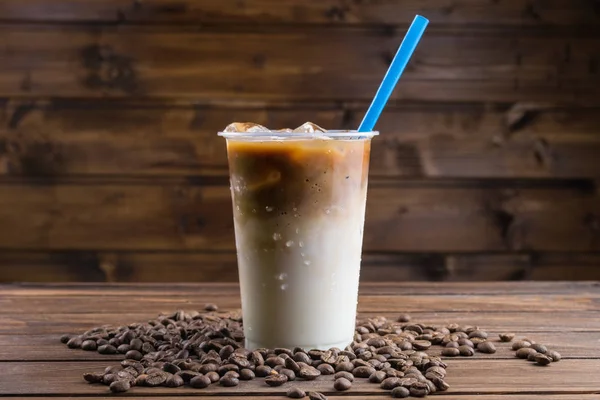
565 316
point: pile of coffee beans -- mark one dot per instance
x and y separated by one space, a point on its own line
203 349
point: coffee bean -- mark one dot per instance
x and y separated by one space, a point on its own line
107 349
326 369
89 345
540 348
524 352
478 334
225 352
156 378
528 340
302 357
316 396
520 344
187 375
506 337
120 386
404 318
400 392
390 383
377 377
170 368
465 342
233 374
450 352
465 351
276 379
542 359
134 355
531 356
124 348
200 382
211 307
229 381
363 372
246 374
421 344
344 374
206 368
223 369
136 344
486 347
75 342
214 376
93 377
65 338
273 361
419 389
309 373
289 373
292 365
342 384
452 344
262 371
554 355
141 380
295 393
174 381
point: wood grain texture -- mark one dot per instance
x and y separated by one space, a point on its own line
532 322
89 138
62 289
89 266
399 218
73 61
338 12
368 304
345 396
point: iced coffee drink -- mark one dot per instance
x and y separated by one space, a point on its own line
299 208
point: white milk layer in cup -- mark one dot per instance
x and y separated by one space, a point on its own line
299 209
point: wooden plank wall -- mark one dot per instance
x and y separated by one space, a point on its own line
110 169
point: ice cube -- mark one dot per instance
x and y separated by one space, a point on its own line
245 127
284 130
309 127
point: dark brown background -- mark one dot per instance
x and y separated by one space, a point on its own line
110 168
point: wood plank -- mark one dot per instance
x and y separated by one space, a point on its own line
74 61
367 303
557 321
346 396
47 347
516 12
75 266
417 216
61 138
477 377
65 289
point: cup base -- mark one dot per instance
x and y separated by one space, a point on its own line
250 345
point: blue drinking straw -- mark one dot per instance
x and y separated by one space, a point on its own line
405 51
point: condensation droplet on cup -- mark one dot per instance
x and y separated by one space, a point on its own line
327 211
254 210
301 243
297 230
306 262
289 243
284 286
269 208
277 236
295 209
281 276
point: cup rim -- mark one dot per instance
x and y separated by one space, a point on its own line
274 135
